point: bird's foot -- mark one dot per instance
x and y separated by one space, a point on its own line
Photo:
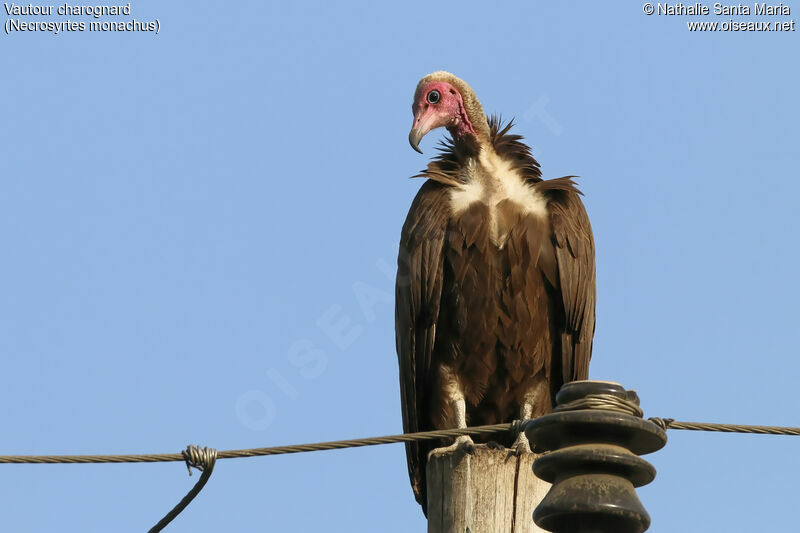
463 443
521 445
492 445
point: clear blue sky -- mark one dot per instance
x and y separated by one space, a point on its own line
199 232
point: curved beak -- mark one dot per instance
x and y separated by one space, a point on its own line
424 121
414 137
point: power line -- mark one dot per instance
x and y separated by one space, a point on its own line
517 425
205 458
668 423
257 452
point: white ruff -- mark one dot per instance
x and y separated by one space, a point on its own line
491 179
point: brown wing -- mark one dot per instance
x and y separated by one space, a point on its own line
417 296
575 270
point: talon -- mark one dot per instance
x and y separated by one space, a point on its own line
492 445
465 444
521 445
462 443
522 449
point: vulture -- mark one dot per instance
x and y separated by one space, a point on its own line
495 292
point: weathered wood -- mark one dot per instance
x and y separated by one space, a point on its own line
490 491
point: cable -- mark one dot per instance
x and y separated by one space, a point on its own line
517 425
256 452
205 458
668 423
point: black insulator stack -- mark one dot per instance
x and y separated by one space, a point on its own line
592 460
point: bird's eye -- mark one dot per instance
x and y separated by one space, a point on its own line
434 97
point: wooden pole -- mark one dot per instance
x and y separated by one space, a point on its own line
489 491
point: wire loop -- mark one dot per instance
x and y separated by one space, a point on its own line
201 458
606 402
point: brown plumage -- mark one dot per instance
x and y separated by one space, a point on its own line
495 290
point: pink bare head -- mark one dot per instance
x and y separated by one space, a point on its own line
443 100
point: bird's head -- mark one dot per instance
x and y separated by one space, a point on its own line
442 99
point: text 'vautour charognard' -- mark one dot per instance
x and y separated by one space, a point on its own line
102 18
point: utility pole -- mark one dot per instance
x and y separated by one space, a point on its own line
488 491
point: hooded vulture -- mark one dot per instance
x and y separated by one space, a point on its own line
495 294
